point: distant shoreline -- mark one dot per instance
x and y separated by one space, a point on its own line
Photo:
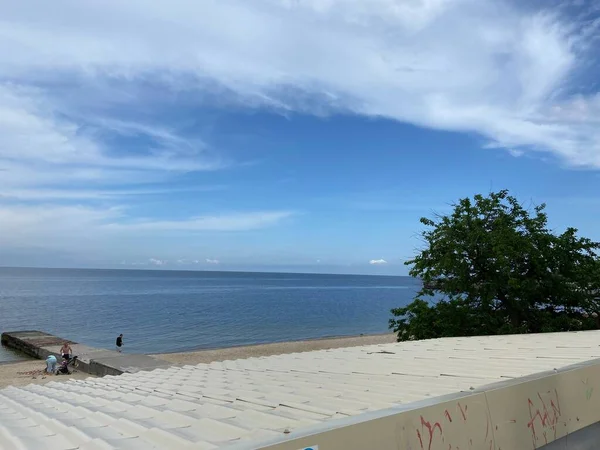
275 348
206 270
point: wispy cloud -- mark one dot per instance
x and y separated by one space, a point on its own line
223 222
165 137
493 67
86 227
212 261
42 194
95 113
40 146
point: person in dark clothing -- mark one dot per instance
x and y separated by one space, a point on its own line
119 342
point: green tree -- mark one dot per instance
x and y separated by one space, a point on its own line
493 266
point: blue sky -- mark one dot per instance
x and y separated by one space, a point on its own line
305 135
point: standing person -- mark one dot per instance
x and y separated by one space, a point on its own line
66 351
119 342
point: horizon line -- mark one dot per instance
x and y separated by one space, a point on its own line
163 269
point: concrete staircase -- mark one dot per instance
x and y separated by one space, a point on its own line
244 403
200 407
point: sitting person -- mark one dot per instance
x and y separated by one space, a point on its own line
63 368
66 351
51 364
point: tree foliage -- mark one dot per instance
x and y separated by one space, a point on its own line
493 266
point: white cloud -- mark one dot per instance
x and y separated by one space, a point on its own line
486 66
157 262
40 147
41 224
515 75
88 228
378 262
212 261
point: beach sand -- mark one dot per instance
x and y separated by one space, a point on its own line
207 356
31 372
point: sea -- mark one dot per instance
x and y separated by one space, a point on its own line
161 311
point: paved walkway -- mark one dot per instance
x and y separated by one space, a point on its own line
93 360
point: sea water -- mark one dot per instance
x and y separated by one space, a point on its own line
162 311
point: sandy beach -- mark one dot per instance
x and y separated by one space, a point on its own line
31 372
207 356
28 372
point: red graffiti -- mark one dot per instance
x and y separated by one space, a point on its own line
463 412
420 439
544 416
430 429
447 414
433 432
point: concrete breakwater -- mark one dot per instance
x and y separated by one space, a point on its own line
94 361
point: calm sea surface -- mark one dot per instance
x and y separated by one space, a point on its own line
168 311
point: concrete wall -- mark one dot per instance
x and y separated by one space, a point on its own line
31 343
40 345
95 361
550 411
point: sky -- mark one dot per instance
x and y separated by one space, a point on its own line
286 135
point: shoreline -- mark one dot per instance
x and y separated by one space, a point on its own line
21 373
258 344
206 270
274 348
